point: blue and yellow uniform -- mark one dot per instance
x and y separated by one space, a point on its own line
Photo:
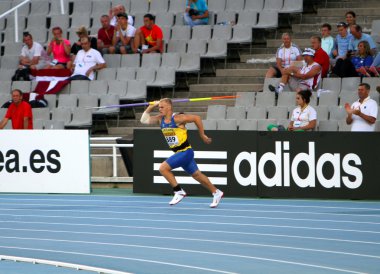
176 137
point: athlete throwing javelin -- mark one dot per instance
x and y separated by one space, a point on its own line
175 133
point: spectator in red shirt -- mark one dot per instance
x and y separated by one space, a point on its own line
105 34
320 55
20 112
149 38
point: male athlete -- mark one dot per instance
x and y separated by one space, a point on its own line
174 130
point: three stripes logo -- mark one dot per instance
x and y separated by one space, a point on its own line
214 163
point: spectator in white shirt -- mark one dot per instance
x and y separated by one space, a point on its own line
285 55
87 62
123 36
361 115
115 11
33 55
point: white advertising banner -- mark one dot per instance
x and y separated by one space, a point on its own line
44 161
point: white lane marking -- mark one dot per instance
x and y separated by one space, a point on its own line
198 230
187 251
197 208
200 222
117 257
61 264
196 239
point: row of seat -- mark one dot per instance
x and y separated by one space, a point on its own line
262 124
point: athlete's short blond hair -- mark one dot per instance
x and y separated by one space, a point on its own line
167 100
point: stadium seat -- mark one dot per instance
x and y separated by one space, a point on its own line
13 49
152 60
247 18
146 74
126 73
107 74
257 113
5 6
241 35
55 7
100 6
292 6
322 112
216 5
197 47
222 32
248 124
328 99
262 125
79 87
38 124
216 112
350 84
82 118
271 81
277 113
273 5
236 113
137 90
82 7
181 33
67 101
171 60
139 6
375 28
265 99
24 86
62 114
5 85
209 124
254 5
331 125
23 10
130 60
217 48
54 125
267 19
118 88
164 19
166 31
179 20
342 125
179 46
202 32
78 20
225 17
338 113
87 101
373 82
98 88
235 5
36 21
107 100
41 114
60 20
190 63
226 124
112 60
165 78
52 100
286 99
176 6
333 84
348 97
159 6
245 99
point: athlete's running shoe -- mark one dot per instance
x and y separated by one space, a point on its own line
218 195
178 196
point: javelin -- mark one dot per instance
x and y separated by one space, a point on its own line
185 100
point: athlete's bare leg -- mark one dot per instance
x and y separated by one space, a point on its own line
166 171
204 180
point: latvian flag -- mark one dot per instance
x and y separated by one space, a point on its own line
51 81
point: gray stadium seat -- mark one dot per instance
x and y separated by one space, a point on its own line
177 46
237 113
202 32
227 124
62 114
217 5
322 112
338 113
286 99
225 17
5 6
275 5
248 124
24 86
254 5
159 6
222 32
67 101
264 99
257 113
55 7
342 125
117 88
209 124
333 84
350 84
107 100
197 47
87 101
292 6
328 99
179 20
130 60
167 32
263 124
5 85
9 62
59 20
52 100
37 123
2 24
331 125
78 20
98 88
41 114
139 6
171 60
235 5
4 98
277 113
190 63
217 48
152 60
39 34
348 97
165 77
247 18
54 125
107 74
81 118
267 19
13 49
139 19
23 10
147 74
164 19
241 34
181 33
245 99
176 6
136 91
375 28
216 112
373 82
36 21
126 73
79 87
100 6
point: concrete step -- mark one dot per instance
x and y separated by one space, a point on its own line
360 12
351 4
302 43
306 29
240 72
102 167
245 57
232 80
245 65
219 88
338 17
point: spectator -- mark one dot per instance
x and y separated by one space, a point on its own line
327 40
375 66
304 116
342 41
60 48
33 55
124 33
308 77
196 13
87 61
105 34
362 113
81 32
350 19
357 65
148 38
115 11
320 56
19 111
286 54
359 36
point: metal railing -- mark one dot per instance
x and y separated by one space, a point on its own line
15 10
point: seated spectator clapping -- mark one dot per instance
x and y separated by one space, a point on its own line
286 54
196 13
122 41
105 34
87 62
60 48
149 38
33 55
304 116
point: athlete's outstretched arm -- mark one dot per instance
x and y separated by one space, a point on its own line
147 119
185 118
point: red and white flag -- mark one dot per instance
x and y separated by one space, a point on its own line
51 81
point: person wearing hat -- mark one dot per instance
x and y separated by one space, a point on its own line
81 32
308 77
123 36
